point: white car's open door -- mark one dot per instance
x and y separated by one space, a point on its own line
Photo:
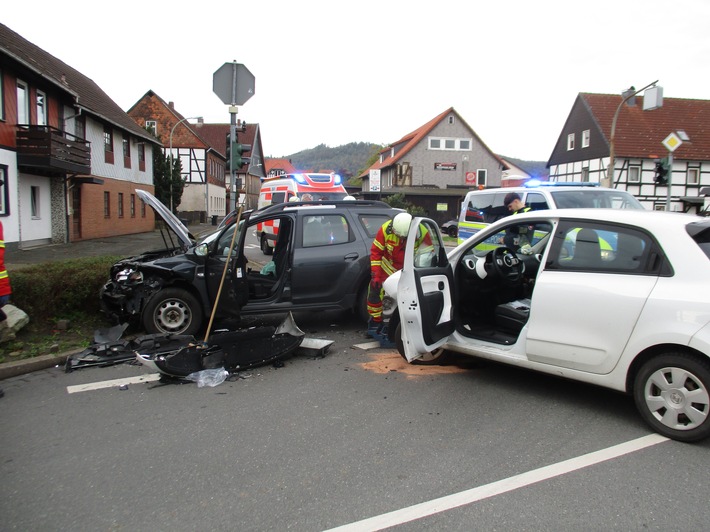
424 293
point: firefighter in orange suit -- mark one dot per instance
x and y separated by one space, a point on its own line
5 289
386 257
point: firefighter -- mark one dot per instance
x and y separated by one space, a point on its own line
386 257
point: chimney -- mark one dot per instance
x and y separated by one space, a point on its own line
631 102
171 105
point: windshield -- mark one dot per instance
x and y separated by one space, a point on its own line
595 199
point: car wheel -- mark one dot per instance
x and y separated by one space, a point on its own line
266 249
433 358
172 310
672 393
453 231
361 305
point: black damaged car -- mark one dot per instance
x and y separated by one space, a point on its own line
320 262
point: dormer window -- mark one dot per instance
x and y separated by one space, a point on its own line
570 142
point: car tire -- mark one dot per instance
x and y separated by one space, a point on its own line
174 311
361 305
266 249
453 231
672 394
434 358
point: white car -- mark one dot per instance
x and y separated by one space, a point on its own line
616 298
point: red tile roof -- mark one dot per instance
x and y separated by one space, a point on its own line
639 133
409 141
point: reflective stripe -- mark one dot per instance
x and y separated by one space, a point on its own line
3 274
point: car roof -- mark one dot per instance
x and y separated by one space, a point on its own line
645 218
328 204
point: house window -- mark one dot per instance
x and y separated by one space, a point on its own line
481 176
693 176
120 204
634 174
126 151
108 139
2 97
585 174
34 203
80 127
152 126
23 103
451 119
3 191
108 144
141 156
142 209
41 108
570 142
450 144
585 138
133 206
107 204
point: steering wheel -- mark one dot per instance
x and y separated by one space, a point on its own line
506 264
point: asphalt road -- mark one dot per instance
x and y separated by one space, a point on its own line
325 442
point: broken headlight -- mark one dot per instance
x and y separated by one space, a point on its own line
129 276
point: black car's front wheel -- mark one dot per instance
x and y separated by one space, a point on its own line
672 393
172 310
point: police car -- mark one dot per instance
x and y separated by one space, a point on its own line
482 207
612 297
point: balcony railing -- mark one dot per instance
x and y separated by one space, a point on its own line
49 150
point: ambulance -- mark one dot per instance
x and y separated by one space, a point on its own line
294 187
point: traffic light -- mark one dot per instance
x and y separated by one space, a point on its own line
228 151
238 159
661 175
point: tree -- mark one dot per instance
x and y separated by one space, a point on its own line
162 177
399 202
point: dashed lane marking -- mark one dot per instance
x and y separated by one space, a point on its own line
151 377
425 509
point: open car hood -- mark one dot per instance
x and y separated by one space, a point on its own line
186 238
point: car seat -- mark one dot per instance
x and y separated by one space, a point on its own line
587 251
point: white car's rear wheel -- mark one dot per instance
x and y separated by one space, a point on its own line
672 393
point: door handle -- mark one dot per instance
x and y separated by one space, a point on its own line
351 256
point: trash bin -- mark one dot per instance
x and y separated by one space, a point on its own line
214 219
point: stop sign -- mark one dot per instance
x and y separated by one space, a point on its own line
233 83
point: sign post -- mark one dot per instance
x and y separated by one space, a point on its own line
234 85
671 142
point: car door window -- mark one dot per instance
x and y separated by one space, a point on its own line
325 230
602 248
372 223
536 201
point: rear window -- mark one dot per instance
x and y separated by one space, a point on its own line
700 232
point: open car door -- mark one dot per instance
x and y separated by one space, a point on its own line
424 293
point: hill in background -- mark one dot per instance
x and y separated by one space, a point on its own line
350 160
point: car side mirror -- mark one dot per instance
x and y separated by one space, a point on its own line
202 250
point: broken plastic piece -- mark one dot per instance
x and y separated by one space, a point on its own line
208 377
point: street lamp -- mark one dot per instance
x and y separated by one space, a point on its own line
610 169
199 120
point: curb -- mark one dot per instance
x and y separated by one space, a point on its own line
28 365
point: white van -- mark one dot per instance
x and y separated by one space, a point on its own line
482 207
294 187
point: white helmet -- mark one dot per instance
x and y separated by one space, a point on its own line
349 198
400 224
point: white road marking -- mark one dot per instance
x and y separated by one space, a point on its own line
115 382
462 498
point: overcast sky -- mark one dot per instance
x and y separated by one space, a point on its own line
333 72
